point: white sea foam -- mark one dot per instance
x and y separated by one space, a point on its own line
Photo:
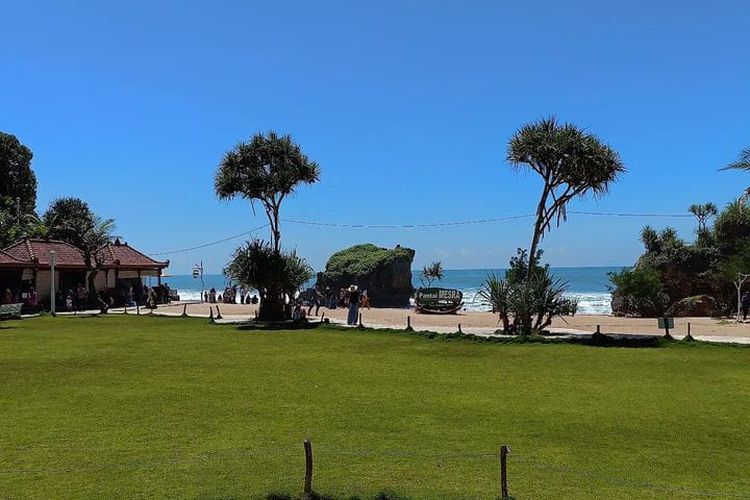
595 303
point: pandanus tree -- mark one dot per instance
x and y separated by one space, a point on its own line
431 273
703 212
571 162
266 170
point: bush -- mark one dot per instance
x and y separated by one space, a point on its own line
638 291
528 294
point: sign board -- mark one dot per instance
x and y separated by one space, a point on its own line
438 300
666 323
196 273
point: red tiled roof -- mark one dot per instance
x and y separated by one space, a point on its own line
37 251
124 256
7 260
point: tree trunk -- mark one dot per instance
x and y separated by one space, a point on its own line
93 292
272 307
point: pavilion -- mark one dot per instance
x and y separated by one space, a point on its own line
26 265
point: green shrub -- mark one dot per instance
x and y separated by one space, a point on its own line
638 291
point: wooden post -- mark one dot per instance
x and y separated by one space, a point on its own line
210 314
218 313
598 329
308 470
322 316
360 321
138 309
504 472
408 324
126 309
184 311
459 329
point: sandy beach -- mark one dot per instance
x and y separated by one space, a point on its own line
486 322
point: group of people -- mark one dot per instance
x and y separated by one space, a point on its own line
29 298
229 296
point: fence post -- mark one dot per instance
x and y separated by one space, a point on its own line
138 309
184 311
360 321
218 313
308 470
504 472
459 329
408 324
126 309
210 314
598 328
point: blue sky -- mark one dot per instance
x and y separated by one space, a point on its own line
407 106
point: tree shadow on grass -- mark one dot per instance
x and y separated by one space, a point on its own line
277 325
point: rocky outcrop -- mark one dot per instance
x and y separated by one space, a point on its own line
384 273
696 306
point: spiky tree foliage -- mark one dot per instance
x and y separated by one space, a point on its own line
571 162
703 212
267 169
431 273
741 163
275 275
528 298
72 220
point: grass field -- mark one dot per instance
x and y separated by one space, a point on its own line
123 407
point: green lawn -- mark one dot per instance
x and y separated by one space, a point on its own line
123 407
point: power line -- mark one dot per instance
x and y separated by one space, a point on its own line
424 225
198 247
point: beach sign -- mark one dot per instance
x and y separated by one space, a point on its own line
438 300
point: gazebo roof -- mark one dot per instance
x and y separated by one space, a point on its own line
7 260
123 256
35 252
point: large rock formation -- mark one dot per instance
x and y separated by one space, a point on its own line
698 306
384 273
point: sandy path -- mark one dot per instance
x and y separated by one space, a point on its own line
485 322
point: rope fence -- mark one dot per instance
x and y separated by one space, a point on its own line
510 465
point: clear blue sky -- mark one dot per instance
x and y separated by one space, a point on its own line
407 106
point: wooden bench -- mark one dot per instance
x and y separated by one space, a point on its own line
10 311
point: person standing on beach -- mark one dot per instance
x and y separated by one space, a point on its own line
353 305
745 300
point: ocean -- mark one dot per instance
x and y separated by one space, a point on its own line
590 285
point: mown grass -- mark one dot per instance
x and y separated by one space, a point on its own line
123 407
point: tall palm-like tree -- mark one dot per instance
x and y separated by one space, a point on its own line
741 163
571 163
267 169
430 273
703 213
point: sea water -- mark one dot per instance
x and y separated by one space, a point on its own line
589 285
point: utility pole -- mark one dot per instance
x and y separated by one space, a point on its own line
53 295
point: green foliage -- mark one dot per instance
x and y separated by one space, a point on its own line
275 275
640 291
732 228
742 162
572 163
430 273
530 296
362 259
703 212
17 179
266 169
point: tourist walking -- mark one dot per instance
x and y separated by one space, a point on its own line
353 305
